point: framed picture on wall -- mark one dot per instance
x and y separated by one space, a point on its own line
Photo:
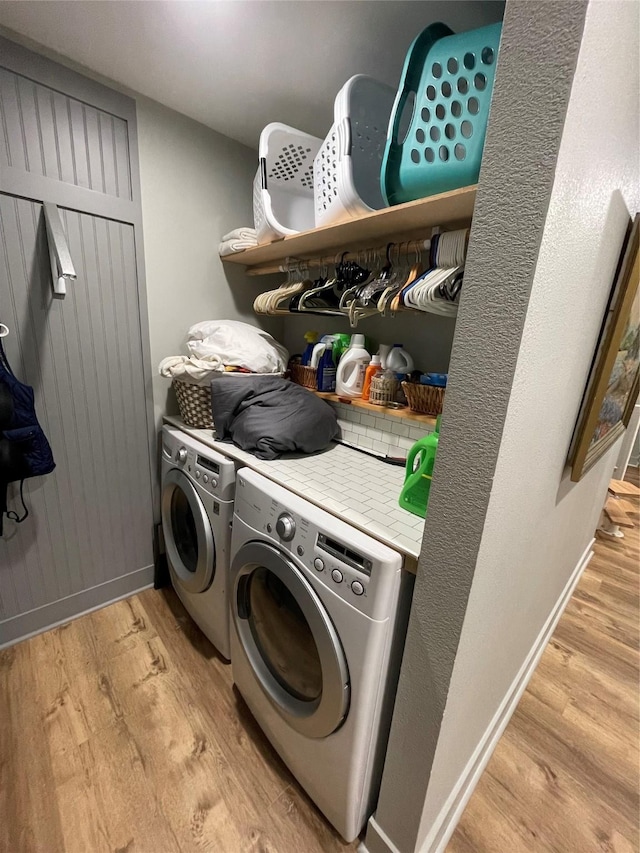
612 389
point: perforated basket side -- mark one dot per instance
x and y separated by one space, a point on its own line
347 167
325 173
451 80
259 219
285 180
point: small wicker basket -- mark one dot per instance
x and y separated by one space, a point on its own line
383 390
303 375
194 402
426 399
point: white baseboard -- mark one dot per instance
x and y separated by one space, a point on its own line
446 822
26 625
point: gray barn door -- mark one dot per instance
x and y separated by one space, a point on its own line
89 536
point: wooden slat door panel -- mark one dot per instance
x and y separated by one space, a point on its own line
47 133
91 520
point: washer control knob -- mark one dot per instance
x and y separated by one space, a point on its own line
318 564
336 575
214 482
357 588
181 455
205 478
286 527
197 474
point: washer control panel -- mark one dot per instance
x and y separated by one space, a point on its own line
341 568
208 469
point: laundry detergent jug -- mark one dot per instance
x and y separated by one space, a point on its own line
352 368
399 360
417 485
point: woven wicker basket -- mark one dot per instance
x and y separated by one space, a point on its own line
382 391
194 402
303 375
426 399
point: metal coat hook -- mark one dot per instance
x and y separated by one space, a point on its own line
62 268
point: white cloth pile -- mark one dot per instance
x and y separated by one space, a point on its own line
238 241
216 345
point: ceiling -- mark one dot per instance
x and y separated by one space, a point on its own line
236 65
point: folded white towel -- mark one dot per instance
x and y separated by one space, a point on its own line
245 233
228 247
197 371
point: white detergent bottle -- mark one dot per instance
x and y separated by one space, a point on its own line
383 352
399 360
352 368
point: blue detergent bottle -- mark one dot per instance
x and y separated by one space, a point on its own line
310 338
326 380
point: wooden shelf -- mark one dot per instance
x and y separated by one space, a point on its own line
406 414
403 222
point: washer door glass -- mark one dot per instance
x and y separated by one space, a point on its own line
283 636
187 533
290 641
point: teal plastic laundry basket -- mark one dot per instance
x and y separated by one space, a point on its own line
450 80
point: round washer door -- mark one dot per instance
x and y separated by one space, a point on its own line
187 533
289 640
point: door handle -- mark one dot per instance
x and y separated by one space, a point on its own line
62 269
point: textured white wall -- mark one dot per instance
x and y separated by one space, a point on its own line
196 185
538 522
538 55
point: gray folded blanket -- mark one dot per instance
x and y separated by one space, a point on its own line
268 415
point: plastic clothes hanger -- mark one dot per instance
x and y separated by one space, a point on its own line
329 297
390 300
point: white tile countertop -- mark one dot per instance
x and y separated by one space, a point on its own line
347 483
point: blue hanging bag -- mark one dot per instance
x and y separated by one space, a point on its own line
24 449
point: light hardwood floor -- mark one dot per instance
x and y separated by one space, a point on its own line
121 731
564 776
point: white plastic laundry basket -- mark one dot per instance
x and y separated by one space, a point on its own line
346 170
283 185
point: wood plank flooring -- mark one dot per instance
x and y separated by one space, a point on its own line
121 731
564 776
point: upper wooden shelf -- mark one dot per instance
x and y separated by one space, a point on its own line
410 221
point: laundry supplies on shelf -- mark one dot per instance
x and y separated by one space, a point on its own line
399 360
327 369
374 368
311 339
352 368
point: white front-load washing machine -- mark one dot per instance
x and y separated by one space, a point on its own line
319 613
198 486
